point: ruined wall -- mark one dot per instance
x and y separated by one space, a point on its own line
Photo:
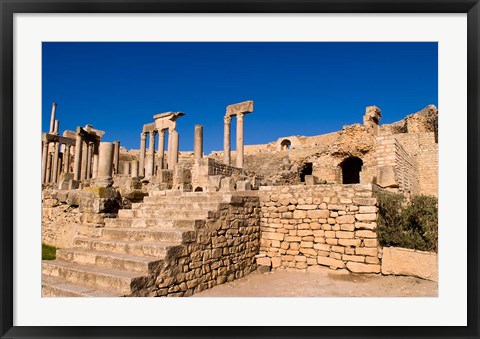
423 148
66 214
390 152
221 249
329 225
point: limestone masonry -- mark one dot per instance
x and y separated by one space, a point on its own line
159 222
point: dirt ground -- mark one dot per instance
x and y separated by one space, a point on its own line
322 282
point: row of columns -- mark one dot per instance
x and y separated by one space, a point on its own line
147 165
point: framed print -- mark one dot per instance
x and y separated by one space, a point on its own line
239 169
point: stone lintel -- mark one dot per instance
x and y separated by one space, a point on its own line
57 138
89 136
149 128
242 107
171 115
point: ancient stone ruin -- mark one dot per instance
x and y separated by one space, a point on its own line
156 222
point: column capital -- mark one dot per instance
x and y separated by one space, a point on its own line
240 116
227 119
143 135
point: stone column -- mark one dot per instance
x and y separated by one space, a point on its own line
239 150
173 140
161 147
198 142
126 168
77 163
56 153
134 169
150 171
105 165
49 169
141 166
89 160
226 139
56 127
95 161
66 158
44 162
116 156
52 118
83 172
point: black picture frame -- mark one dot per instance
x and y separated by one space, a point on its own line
7 10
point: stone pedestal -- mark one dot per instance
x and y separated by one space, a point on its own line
198 142
105 165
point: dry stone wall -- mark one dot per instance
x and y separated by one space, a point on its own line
328 225
220 249
390 152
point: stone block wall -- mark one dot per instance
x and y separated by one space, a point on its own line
221 249
423 147
390 152
328 225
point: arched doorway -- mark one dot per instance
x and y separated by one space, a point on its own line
307 169
285 145
351 168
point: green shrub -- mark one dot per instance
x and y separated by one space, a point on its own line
411 224
48 252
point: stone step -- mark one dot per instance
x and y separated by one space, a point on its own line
164 214
117 281
177 206
150 234
185 199
156 250
58 287
147 223
118 261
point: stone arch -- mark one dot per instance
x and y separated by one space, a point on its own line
198 189
351 168
285 145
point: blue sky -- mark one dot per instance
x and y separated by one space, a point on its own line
298 88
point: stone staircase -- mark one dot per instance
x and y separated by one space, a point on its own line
124 257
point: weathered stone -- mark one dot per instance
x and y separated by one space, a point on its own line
402 261
356 267
333 263
346 219
366 217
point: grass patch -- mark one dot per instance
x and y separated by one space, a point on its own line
48 252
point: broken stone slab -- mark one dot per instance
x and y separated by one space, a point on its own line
386 177
310 180
243 185
227 184
215 181
241 107
403 261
